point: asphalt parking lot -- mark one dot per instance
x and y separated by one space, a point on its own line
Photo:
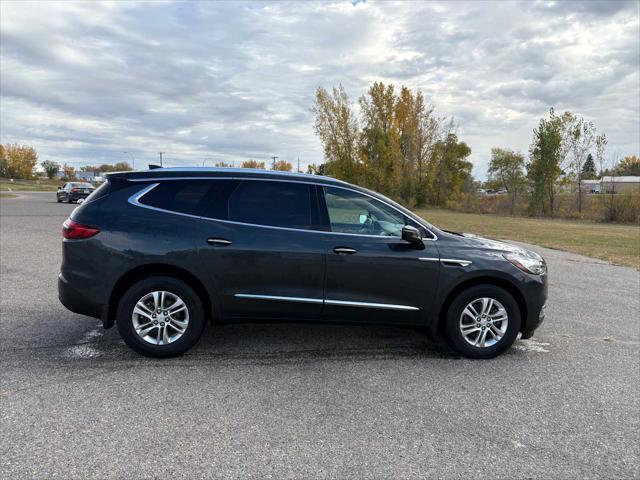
301 401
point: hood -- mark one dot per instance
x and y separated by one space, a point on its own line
489 244
496 246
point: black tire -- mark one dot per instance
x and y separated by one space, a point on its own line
175 286
69 199
58 198
454 336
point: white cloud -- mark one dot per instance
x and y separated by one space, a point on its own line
83 82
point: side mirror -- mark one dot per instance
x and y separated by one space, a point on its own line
412 235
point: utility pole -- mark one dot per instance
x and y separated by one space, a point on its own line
161 153
298 164
133 160
274 162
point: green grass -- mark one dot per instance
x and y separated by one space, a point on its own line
30 185
615 243
8 195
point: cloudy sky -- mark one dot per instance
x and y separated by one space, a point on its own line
205 81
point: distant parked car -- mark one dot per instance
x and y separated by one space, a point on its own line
74 191
163 252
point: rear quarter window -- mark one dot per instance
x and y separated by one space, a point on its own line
192 197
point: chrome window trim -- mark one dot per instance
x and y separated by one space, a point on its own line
429 259
344 303
135 200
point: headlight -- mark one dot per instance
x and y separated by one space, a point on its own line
531 263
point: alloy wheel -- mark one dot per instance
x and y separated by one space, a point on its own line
160 317
484 322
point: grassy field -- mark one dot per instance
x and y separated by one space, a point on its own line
30 185
615 243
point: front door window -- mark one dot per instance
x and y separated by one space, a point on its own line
351 212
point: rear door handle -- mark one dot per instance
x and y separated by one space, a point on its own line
344 250
218 241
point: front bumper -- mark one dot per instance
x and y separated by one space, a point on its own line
536 308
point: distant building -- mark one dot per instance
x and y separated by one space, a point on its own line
87 176
83 176
612 185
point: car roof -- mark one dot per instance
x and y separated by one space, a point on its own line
191 172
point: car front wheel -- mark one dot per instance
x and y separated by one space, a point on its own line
160 317
483 321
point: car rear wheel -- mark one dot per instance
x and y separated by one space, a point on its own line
483 321
160 317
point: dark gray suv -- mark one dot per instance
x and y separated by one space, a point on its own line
161 253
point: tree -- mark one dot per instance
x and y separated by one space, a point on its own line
507 167
4 167
452 168
581 136
601 145
426 137
543 169
69 172
253 164
51 168
20 160
106 167
629 166
314 169
589 169
223 165
337 128
380 148
283 166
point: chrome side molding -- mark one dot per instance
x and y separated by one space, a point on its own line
447 261
455 261
278 298
385 306
344 303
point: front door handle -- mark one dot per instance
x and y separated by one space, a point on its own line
344 250
218 241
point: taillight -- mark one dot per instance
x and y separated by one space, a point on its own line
74 189
76 231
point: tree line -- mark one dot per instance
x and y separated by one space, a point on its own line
392 141
565 151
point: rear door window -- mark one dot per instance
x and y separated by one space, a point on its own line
185 196
272 203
